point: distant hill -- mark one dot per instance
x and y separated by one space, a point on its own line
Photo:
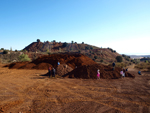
138 56
95 53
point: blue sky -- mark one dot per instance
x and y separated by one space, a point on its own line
123 25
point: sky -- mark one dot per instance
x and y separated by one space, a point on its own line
123 25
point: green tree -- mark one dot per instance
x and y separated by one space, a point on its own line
38 40
65 44
5 51
119 58
24 57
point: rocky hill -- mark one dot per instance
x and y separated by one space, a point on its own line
95 53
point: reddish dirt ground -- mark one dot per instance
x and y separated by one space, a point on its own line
26 91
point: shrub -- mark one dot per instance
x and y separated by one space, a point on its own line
101 60
48 53
91 47
82 42
2 48
24 57
38 40
87 47
65 44
123 55
16 50
47 50
24 50
95 57
5 52
119 58
127 59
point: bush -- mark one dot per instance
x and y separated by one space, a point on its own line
119 58
38 40
95 57
16 50
82 42
65 44
48 53
2 48
5 52
123 55
127 59
24 57
87 47
91 47
101 60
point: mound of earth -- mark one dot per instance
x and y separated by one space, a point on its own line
90 72
71 60
43 66
17 65
63 69
45 61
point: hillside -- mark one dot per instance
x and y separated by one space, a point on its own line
98 54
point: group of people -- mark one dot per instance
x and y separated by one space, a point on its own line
51 72
122 72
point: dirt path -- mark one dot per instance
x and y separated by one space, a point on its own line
26 91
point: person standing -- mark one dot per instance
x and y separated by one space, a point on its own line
113 64
98 74
53 72
124 72
121 72
49 71
139 72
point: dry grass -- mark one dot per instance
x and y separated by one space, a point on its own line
143 66
121 64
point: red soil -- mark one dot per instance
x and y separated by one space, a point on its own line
72 60
87 68
63 69
45 61
90 71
